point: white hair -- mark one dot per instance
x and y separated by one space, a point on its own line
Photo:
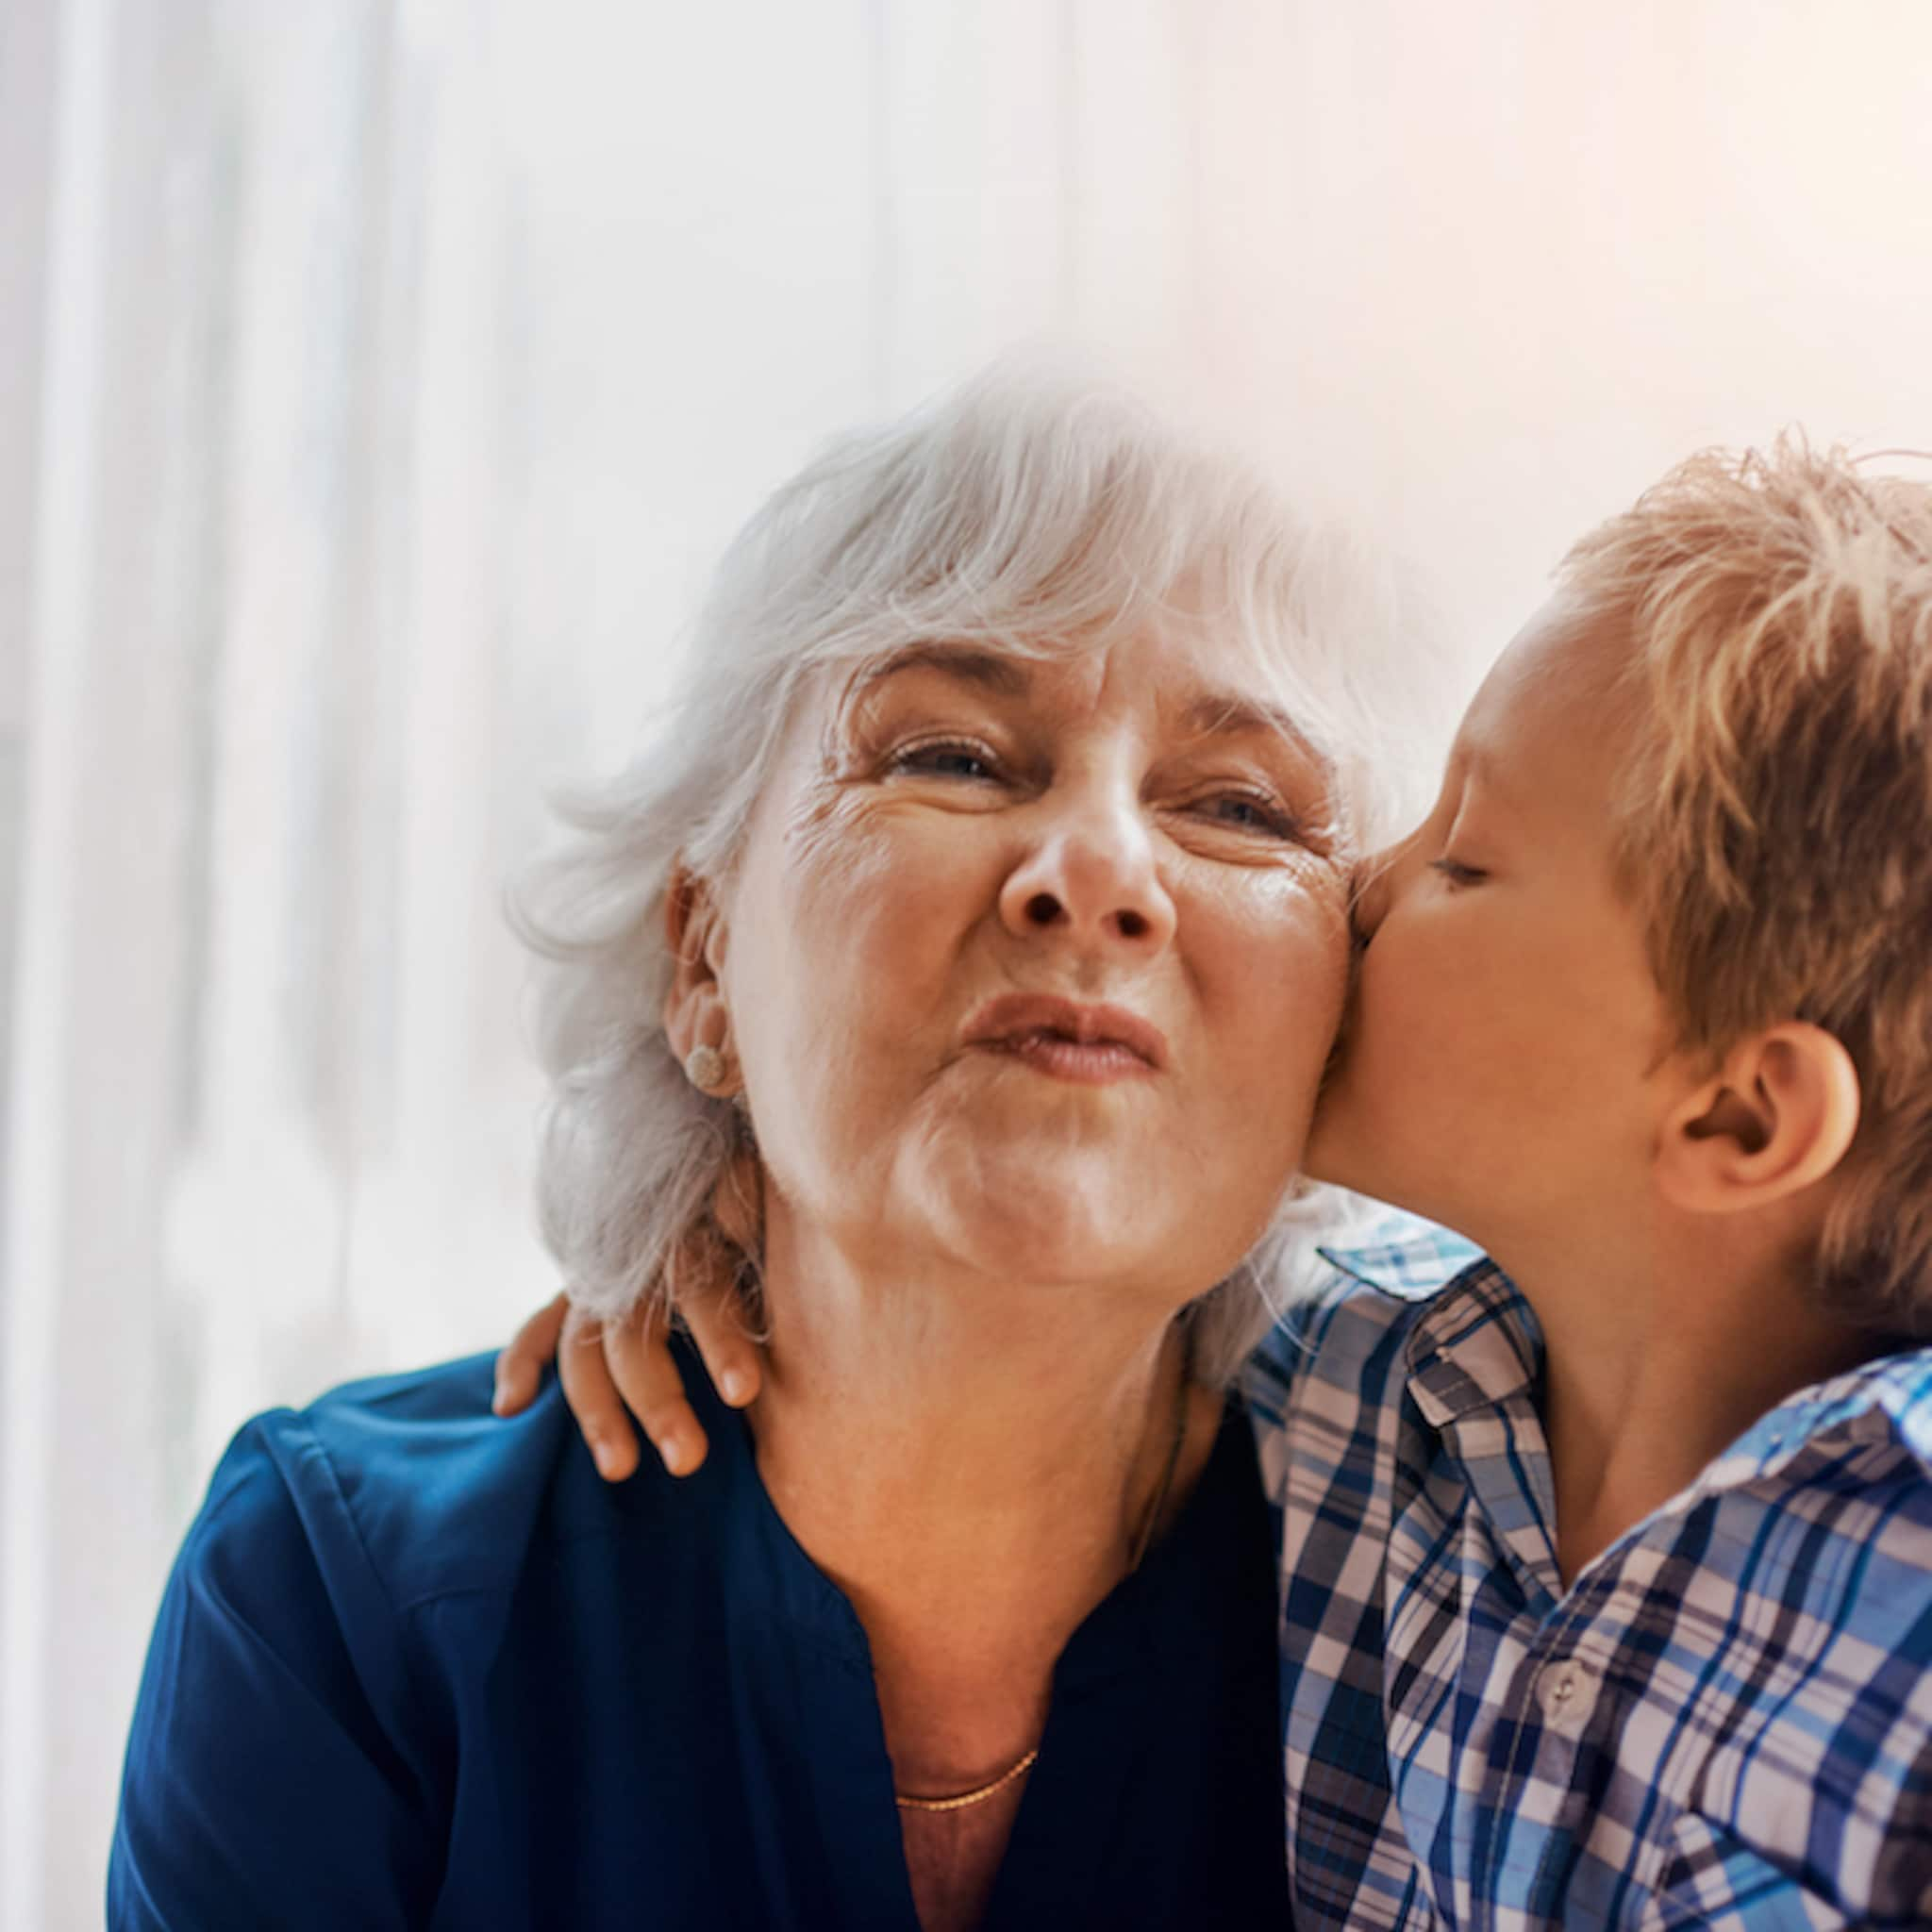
1027 512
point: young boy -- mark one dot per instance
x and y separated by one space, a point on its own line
1607 1571
1607 1560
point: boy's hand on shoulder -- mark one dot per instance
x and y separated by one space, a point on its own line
614 1371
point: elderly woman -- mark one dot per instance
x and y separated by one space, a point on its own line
989 901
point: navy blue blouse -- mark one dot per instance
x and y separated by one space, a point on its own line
420 1667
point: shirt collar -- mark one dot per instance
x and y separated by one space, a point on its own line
1401 1256
1477 1344
1473 1343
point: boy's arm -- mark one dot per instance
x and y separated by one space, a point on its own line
261 1787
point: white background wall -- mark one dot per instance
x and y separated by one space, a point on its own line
377 380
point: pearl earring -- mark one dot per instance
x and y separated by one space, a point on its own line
703 1067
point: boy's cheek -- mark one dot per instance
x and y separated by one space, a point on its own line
1412 1004
1417 1075
1389 1099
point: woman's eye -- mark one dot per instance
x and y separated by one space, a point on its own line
1456 873
1244 811
947 758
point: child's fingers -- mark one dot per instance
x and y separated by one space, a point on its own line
611 1373
638 1351
593 1399
704 1281
520 1367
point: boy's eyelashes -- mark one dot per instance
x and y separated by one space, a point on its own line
1456 873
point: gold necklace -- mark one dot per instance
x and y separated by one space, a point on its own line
1144 1537
965 1798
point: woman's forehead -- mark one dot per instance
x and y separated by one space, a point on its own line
1209 679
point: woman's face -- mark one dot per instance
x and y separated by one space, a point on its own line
1032 967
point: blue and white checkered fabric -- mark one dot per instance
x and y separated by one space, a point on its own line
1726 1721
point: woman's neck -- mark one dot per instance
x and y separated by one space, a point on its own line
972 1463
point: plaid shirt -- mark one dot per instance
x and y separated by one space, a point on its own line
1724 1721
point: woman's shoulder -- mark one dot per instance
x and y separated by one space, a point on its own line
341 1595
405 1487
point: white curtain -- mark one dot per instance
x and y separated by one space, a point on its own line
377 380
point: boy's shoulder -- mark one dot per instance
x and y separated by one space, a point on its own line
1875 1415
1903 1391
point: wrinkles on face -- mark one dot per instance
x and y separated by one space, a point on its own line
934 840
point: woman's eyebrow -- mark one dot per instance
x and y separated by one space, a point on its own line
970 663
1215 713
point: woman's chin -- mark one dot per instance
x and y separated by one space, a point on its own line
1058 1220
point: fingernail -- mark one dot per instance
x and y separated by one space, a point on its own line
670 1452
499 1396
735 1386
606 1458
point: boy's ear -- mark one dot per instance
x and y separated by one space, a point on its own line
695 1009
1778 1114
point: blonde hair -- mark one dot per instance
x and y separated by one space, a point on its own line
1777 823
1030 512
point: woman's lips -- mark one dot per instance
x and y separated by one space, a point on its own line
1094 1064
1069 1039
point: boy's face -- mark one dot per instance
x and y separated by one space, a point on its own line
1497 1068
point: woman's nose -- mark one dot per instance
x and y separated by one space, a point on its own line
1091 879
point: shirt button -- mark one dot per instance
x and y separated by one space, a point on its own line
1566 1689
